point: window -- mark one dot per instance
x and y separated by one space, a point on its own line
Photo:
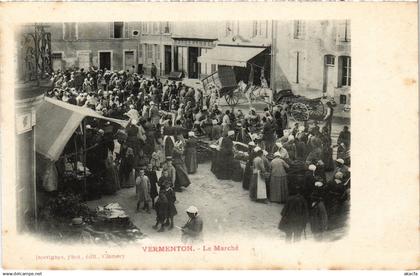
229 28
344 71
157 47
149 51
155 28
118 29
70 31
213 68
344 31
254 28
259 28
166 29
329 60
299 29
141 51
144 27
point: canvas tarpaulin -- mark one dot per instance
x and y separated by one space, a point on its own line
56 122
230 55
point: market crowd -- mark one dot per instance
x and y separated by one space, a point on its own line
167 120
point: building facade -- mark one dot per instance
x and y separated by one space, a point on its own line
311 58
110 45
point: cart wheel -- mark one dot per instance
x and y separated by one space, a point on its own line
299 112
232 98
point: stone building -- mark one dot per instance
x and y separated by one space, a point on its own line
111 45
313 58
309 57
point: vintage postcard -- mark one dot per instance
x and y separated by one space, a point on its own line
209 136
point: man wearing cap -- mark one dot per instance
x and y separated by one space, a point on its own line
154 113
341 167
193 229
191 153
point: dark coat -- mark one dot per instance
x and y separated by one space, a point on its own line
153 180
294 214
170 195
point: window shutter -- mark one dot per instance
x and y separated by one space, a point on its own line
111 30
340 71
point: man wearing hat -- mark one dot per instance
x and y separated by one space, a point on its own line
193 229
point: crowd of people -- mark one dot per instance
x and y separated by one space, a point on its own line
284 165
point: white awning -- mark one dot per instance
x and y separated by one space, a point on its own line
231 56
55 123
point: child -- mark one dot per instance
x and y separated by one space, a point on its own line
143 191
165 180
161 207
170 195
155 160
151 174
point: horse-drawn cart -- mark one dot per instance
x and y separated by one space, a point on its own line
223 82
301 108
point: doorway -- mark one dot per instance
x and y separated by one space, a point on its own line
168 59
105 60
192 62
129 61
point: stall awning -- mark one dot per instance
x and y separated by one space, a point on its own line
231 56
56 122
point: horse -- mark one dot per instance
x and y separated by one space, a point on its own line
253 92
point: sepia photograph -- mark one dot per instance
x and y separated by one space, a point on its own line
145 136
136 130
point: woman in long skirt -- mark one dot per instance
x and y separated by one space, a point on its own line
278 182
257 188
191 153
182 179
248 167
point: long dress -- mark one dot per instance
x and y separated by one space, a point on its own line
278 182
226 159
257 188
191 155
182 179
248 171
111 179
127 173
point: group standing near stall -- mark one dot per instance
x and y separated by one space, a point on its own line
283 165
